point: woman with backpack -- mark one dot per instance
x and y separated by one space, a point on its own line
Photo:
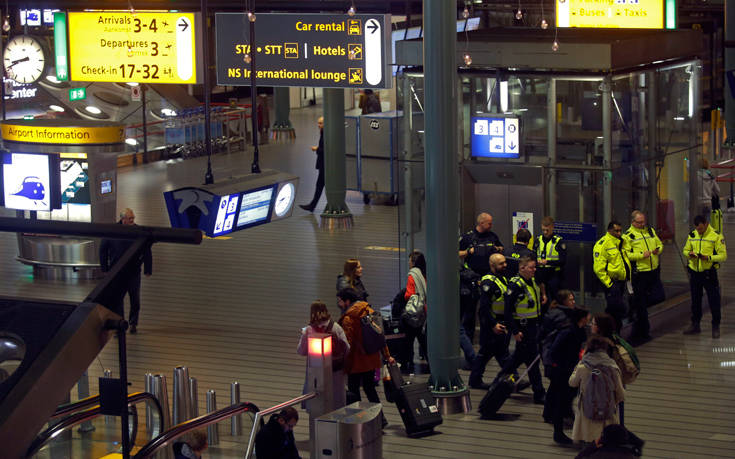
600 390
413 318
321 322
352 277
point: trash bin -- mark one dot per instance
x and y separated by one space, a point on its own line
354 432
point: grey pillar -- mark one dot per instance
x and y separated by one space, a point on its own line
729 67
606 87
651 109
213 429
235 421
336 213
442 194
182 404
282 108
695 155
551 145
408 194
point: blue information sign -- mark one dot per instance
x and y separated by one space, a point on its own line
495 136
576 231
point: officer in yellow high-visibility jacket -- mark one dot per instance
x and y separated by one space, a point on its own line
612 267
643 248
551 256
705 250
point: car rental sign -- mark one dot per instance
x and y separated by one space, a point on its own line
321 50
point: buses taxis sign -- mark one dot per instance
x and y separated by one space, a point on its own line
143 47
624 14
321 50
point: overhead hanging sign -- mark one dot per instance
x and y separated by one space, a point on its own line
143 47
623 14
495 136
322 50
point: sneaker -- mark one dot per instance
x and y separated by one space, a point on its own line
562 439
693 329
133 329
306 207
715 332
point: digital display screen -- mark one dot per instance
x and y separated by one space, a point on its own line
255 206
106 187
26 181
495 137
225 214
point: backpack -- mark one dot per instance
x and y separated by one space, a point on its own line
627 360
339 348
373 336
598 397
398 304
415 313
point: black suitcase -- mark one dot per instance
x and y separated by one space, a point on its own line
500 391
418 409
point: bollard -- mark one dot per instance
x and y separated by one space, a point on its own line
148 410
160 391
108 419
181 409
213 429
235 421
193 398
83 392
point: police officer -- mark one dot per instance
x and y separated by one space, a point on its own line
519 250
643 248
475 248
523 301
551 256
612 267
705 250
493 333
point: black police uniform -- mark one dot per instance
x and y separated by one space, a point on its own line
513 256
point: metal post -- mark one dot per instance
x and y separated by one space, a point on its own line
729 68
83 392
606 87
551 145
442 195
651 109
581 220
160 390
695 187
145 126
336 214
182 410
108 419
123 362
208 177
255 167
235 421
149 387
193 397
407 165
212 430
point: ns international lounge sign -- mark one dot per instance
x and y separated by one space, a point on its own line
321 50
616 14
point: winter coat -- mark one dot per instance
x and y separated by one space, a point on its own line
272 442
565 348
357 360
587 429
344 282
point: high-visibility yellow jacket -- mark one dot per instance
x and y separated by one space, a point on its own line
610 261
636 242
710 244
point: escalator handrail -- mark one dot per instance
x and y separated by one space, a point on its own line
69 408
260 414
182 428
87 415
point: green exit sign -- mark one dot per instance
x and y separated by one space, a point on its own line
77 94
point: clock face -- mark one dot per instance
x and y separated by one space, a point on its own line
284 199
24 59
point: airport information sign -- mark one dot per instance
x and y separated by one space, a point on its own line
320 50
625 14
143 47
495 136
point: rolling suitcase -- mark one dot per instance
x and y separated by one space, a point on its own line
500 391
418 409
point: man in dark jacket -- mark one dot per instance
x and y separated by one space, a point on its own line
275 440
319 150
519 250
111 250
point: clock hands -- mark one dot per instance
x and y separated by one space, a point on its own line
18 61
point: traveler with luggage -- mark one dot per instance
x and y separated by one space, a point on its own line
352 277
600 390
615 442
321 322
413 318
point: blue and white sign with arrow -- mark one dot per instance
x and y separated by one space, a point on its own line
495 136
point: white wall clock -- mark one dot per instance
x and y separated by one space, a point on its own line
284 199
24 59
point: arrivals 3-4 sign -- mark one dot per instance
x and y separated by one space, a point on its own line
322 50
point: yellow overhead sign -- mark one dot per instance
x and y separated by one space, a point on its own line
67 135
120 46
625 14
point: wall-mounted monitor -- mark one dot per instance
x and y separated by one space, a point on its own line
495 136
30 181
106 186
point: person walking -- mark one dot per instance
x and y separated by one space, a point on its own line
551 257
352 277
415 285
705 250
319 150
643 248
612 267
111 250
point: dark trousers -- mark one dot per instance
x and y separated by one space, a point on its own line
132 289
367 381
706 280
468 314
491 345
552 280
615 303
525 352
319 188
559 397
644 284
413 334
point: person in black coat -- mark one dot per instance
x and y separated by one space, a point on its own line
319 150
564 357
517 251
111 250
275 440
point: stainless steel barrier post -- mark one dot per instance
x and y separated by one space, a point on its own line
108 419
235 421
160 390
212 430
148 410
182 409
83 392
193 398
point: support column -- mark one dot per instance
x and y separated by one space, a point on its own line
729 67
336 214
442 199
606 87
551 146
651 109
282 124
408 194
695 154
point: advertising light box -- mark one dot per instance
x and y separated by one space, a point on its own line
617 14
143 47
30 181
495 136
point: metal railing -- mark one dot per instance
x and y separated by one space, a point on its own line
77 417
180 429
259 415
